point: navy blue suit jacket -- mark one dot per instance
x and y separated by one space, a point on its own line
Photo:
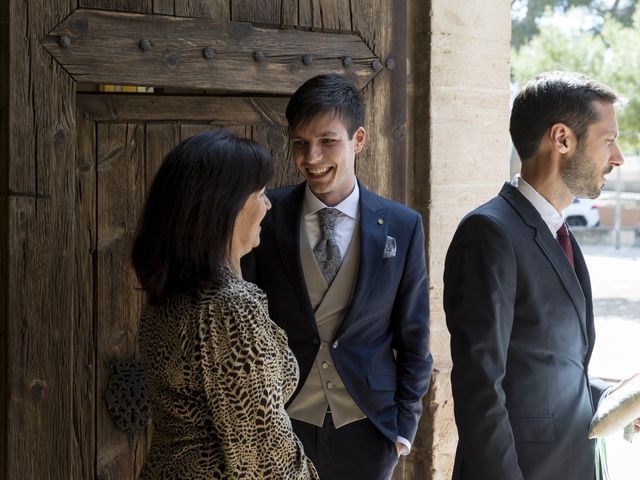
381 349
522 333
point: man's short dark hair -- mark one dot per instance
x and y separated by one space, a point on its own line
555 97
332 94
186 227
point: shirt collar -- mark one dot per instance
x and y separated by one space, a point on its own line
549 214
349 206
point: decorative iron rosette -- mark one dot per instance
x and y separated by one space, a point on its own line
127 396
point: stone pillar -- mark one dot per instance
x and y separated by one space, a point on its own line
468 160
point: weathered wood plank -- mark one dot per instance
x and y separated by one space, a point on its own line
382 165
190 129
160 138
84 365
40 301
164 7
140 6
326 15
105 48
306 9
4 226
289 13
336 15
41 309
222 110
418 127
276 140
265 13
120 195
218 9
240 130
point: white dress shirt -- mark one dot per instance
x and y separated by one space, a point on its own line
346 223
549 214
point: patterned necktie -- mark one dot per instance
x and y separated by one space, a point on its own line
565 242
326 251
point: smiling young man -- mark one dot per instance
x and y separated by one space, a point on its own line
344 271
517 295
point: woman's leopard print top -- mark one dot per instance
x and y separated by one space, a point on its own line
219 373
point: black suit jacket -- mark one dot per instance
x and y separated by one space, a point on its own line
381 349
522 333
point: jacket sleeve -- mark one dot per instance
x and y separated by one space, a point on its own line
410 324
480 278
242 369
599 389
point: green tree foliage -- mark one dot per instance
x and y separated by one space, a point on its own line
611 56
526 14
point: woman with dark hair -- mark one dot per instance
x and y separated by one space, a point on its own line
219 370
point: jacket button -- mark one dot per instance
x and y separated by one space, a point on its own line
335 344
329 385
325 365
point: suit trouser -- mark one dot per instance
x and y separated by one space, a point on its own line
356 451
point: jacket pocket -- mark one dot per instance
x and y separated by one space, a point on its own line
534 428
378 381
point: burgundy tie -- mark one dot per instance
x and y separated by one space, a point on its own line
565 242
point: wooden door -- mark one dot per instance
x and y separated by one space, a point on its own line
121 142
211 63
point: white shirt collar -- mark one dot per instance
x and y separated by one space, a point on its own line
549 214
349 206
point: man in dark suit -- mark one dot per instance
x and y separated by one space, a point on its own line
345 275
517 295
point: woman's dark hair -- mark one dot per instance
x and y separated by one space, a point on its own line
185 230
332 94
555 97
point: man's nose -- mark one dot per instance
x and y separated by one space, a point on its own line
617 159
314 153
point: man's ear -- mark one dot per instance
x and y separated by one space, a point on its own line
359 138
562 138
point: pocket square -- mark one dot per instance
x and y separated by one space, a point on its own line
390 248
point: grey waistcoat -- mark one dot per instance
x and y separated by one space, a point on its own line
323 387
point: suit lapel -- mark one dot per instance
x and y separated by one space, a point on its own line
373 225
551 249
286 226
583 277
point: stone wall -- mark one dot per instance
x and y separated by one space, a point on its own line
468 162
